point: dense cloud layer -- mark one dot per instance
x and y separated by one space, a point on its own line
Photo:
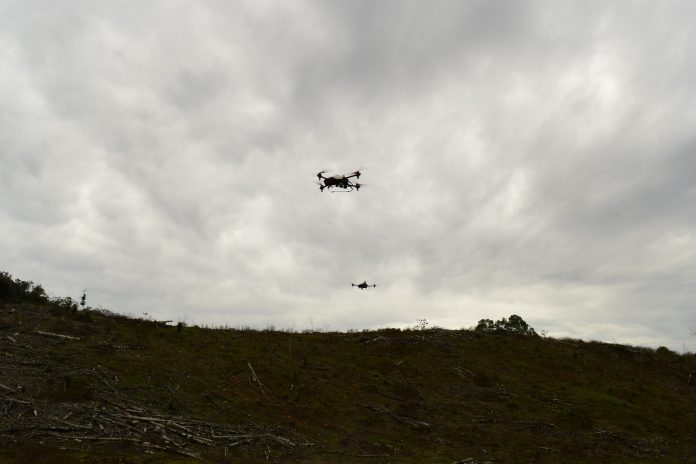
524 157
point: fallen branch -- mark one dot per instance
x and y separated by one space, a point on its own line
123 347
174 427
493 420
354 455
15 400
366 340
404 419
461 371
57 335
255 378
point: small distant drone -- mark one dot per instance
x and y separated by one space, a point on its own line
340 183
363 285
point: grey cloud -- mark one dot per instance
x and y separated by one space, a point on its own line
531 157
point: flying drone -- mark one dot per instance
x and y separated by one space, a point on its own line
339 182
363 285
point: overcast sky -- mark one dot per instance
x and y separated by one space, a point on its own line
530 157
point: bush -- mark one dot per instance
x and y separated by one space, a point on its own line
664 351
20 290
515 325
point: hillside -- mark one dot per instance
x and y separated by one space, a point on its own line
80 385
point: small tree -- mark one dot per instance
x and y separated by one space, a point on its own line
515 324
485 325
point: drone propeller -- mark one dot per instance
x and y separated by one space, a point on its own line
358 173
321 186
357 186
319 174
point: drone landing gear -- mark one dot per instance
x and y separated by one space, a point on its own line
348 189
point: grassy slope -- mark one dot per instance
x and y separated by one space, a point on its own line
379 396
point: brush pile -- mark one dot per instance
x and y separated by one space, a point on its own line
86 408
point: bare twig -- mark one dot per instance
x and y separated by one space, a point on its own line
98 377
